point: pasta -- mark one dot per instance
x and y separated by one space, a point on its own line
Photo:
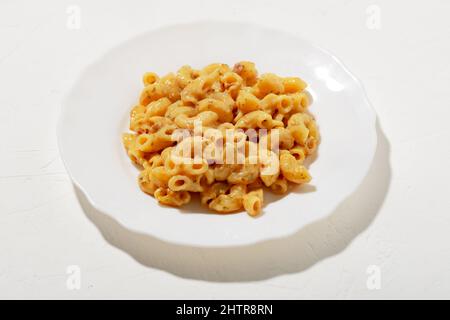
228 134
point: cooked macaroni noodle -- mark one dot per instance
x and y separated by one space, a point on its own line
234 155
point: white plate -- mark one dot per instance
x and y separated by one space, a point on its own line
96 112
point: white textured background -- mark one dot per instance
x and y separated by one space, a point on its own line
398 220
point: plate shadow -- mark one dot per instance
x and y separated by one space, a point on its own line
300 251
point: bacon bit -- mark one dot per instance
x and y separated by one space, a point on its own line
155 127
238 68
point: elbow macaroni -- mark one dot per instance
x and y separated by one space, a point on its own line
224 99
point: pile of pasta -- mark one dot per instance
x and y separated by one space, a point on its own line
222 98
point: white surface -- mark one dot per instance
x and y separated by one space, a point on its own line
344 116
398 220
